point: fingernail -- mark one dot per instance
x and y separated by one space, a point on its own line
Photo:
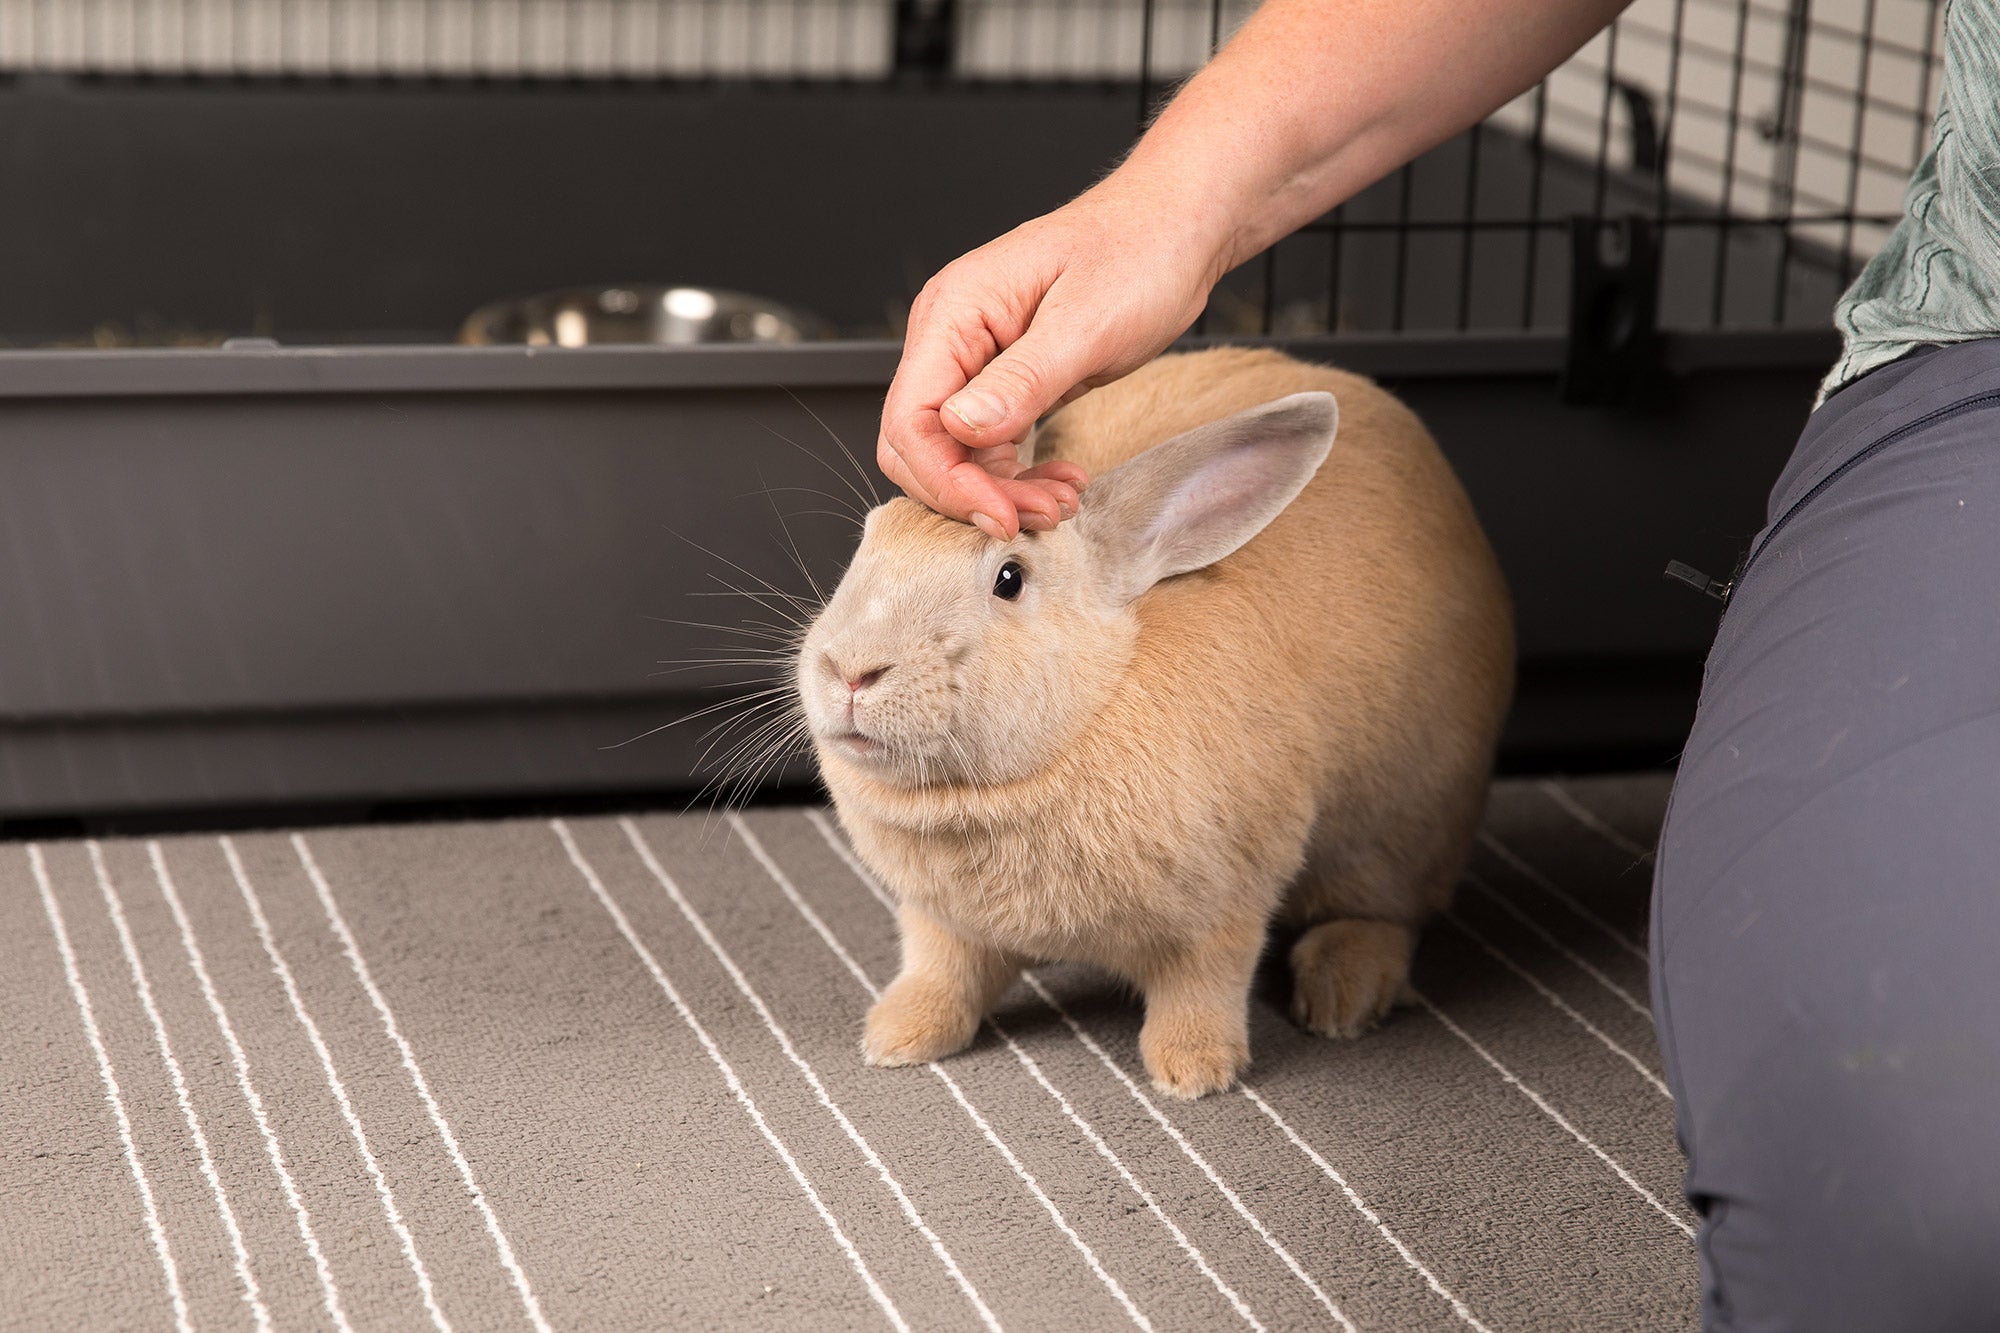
989 525
1068 509
976 408
1037 522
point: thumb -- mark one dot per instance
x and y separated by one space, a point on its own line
1016 388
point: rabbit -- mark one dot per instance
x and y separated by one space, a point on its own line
1259 679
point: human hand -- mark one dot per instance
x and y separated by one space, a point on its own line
1040 316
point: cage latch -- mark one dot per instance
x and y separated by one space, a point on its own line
1614 346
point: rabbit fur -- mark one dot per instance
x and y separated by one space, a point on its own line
1243 687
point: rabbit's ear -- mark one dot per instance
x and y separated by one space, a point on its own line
1189 502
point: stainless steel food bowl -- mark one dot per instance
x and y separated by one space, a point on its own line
641 313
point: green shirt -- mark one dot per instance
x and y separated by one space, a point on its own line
1937 279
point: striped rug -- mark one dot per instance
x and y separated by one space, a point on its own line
601 1073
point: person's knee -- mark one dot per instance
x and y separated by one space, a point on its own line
1856 1193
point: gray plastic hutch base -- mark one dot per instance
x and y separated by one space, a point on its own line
301 576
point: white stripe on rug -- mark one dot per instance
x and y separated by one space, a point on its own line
329 1293
385 1196
1540 932
869 882
1027 1062
813 919
1508 1076
502 1247
1549 886
158 1233
799 1062
1458 1307
239 1252
1561 1005
1576 810
736 1088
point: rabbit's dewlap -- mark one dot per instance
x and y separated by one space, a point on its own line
1260 675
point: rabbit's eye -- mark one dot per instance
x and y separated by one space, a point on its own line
1008 583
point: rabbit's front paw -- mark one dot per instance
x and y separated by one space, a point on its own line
1193 1068
913 1025
1347 974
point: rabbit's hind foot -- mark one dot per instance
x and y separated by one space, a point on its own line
1348 974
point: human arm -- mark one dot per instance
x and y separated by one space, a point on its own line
1310 102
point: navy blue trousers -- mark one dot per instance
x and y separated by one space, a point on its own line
1826 913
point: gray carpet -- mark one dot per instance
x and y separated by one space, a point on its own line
602 1074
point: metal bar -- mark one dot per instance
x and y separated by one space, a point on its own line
1402 248
1689 220
1791 96
1537 151
1886 44
1668 124
1646 32
1694 157
1601 174
1928 113
215 373
1722 114
1823 26
1729 167
1105 29
1860 123
1214 27
1145 65
1868 160
1471 216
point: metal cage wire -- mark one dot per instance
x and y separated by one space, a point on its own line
1763 147
1756 149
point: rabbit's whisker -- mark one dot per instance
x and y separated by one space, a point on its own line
681 665
840 444
690 717
760 733
846 513
792 544
749 628
773 590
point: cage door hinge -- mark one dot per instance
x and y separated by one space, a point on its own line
1613 350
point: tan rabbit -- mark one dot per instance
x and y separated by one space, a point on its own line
1260 676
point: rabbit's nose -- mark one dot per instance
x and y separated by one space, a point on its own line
856 681
862 680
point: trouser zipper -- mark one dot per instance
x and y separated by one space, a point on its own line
1720 590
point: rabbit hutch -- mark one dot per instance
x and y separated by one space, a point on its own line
276 538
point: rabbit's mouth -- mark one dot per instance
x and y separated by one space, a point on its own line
855 743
